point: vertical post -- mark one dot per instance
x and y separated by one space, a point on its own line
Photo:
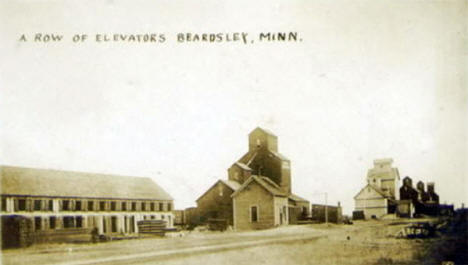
326 208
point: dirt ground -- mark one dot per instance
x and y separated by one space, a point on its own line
365 242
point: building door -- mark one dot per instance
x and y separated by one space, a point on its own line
10 232
114 224
104 226
132 224
391 208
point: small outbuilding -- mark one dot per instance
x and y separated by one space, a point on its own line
259 204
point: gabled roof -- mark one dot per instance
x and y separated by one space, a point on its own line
383 161
269 181
278 155
270 186
296 198
233 185
377 189
243 166
264 130
56 183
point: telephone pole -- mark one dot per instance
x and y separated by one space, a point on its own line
326 208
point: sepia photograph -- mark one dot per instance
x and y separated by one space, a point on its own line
234 132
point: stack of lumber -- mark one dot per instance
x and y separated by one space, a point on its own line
153 227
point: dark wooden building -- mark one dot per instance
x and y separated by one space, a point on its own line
216 202
327 213
264 170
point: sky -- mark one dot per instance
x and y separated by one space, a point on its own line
369 80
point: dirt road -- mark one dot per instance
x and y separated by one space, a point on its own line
362 243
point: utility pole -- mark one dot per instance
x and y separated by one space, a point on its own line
326 205
326 208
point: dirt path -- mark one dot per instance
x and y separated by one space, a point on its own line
331 244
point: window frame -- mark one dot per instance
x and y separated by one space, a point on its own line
37 223
257 213
66 205
4 204
102 205
52 224
37 205
21 202
80 204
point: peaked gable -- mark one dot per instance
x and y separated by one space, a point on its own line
370 191
263 130
264 182
233 185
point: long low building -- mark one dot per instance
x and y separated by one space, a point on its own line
53 202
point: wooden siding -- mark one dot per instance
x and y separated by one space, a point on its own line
216 203
254 195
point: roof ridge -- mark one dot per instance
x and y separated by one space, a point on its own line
60 183
270 181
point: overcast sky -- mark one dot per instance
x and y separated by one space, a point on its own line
370 79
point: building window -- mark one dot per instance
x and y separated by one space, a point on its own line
68 222
90 205
169 207
4 204
52 222
66 205
143 206
37 205
161 206
133 206
113 206
37 223
253 214
124 206
79 221
21 205
220 190
153 217
114 224
102 205
78 206
51 205
152 206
